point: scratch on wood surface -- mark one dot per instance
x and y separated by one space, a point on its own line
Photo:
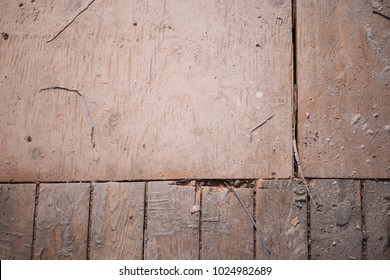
70 21
89 116
258 230
380 14
263 123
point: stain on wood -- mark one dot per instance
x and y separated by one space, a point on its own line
336 228
16 221
227 231
376 207
62 222
117 221
343 89
174 89
281 213
172 225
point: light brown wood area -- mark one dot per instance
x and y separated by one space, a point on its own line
172 222
16 221
62 222
336 227
281 212
343 72
117 221
166 89
227 231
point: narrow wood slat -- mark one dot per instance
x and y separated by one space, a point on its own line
62 221
172 226
336 228
376 207
16 220
281 213
117 221
227 231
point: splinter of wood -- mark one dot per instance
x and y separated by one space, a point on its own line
89 116
70 22
263 123
380 14
258 230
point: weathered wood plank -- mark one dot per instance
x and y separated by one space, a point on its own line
172 225
62 222
376 207
164 82
227 231
117 221
336 228
343 88
281 212
16 221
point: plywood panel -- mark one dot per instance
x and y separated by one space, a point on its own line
16 221
172 225
281 212
173 89
227 231
336 227
343 88
376 207
117 221
62 222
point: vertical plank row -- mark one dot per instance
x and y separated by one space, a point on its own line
16 220
62 222
376 207
336 227
117 220
281 212
172 225
227 232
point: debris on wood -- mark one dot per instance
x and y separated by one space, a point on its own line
263 123
380 14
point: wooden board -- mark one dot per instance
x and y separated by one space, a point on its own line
16 221
172 225
343 72
281 213
376 207
336 228
227 231
172 90
117 221
62 222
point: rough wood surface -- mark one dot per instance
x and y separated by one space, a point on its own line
62 222
376 207
16 221
281 212
174 89
336 228
172 225
117 221
343 72
227 231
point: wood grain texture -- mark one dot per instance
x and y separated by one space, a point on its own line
62 222
343 76
336 228
174 89
16 221
376 207
281 213
227 231
117 221
172 225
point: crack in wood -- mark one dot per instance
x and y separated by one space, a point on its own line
89 116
